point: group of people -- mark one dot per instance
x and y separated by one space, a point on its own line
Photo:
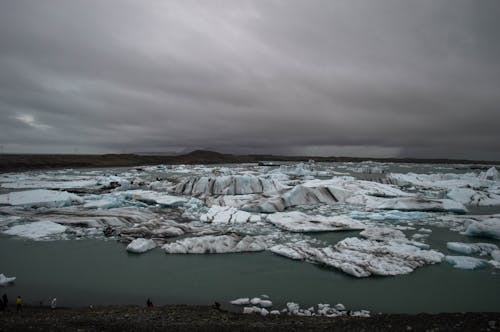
4 303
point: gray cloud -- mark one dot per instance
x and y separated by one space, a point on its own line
385 78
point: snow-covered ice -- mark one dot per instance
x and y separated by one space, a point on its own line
36 230
141 245
466 262
213 244
4 280
489 227
296 221
472 248
40 197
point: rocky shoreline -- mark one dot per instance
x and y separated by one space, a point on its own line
205 318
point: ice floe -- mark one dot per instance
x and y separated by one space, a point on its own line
296 221
228 215
363 258
418 204
40 197
466 262
472 248
217 244
228 185
4 280
141 245
489 227
154 197
36 230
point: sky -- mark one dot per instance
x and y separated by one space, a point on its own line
385 78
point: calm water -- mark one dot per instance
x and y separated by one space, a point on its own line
101 272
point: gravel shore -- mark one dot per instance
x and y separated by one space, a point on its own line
203 318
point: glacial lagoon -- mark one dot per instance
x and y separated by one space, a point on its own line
416 208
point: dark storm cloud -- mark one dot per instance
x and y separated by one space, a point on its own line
388 78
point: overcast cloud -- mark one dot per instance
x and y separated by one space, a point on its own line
367 78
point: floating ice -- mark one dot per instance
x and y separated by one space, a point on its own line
141 245
465 262
153 197
362 258
36 230
4 280
241 301
228 185
490 174
296 221
228 215
487 228
473 197
472 248
212 244
40 197
390 215
418 204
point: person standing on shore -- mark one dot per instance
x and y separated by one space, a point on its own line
19 303
5 302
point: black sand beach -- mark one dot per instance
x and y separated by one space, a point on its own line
204 318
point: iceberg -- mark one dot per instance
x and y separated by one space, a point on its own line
141 245
241 301
228 185
487 228
296 221
490 174
39 198
217 244
363 258
472 248
153 197
227 215
466 263
36 230
4 280
418 204
473 197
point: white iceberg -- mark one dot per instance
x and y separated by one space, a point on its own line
418 204
296 221
487 228
141 245
213 244
363 258
228 185
154 197
241 301
472 248
36 230
40 197
490 174
228 215
4 280
473 197
466 263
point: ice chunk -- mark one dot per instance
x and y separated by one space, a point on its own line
390 215
241 301
227 215
418 204
36 230
296 221
4 280
40 197
472 248
212 244
141 245
495 254
362 258
490 174
228 185
474 197
382 234
465 262
153 197
486 228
